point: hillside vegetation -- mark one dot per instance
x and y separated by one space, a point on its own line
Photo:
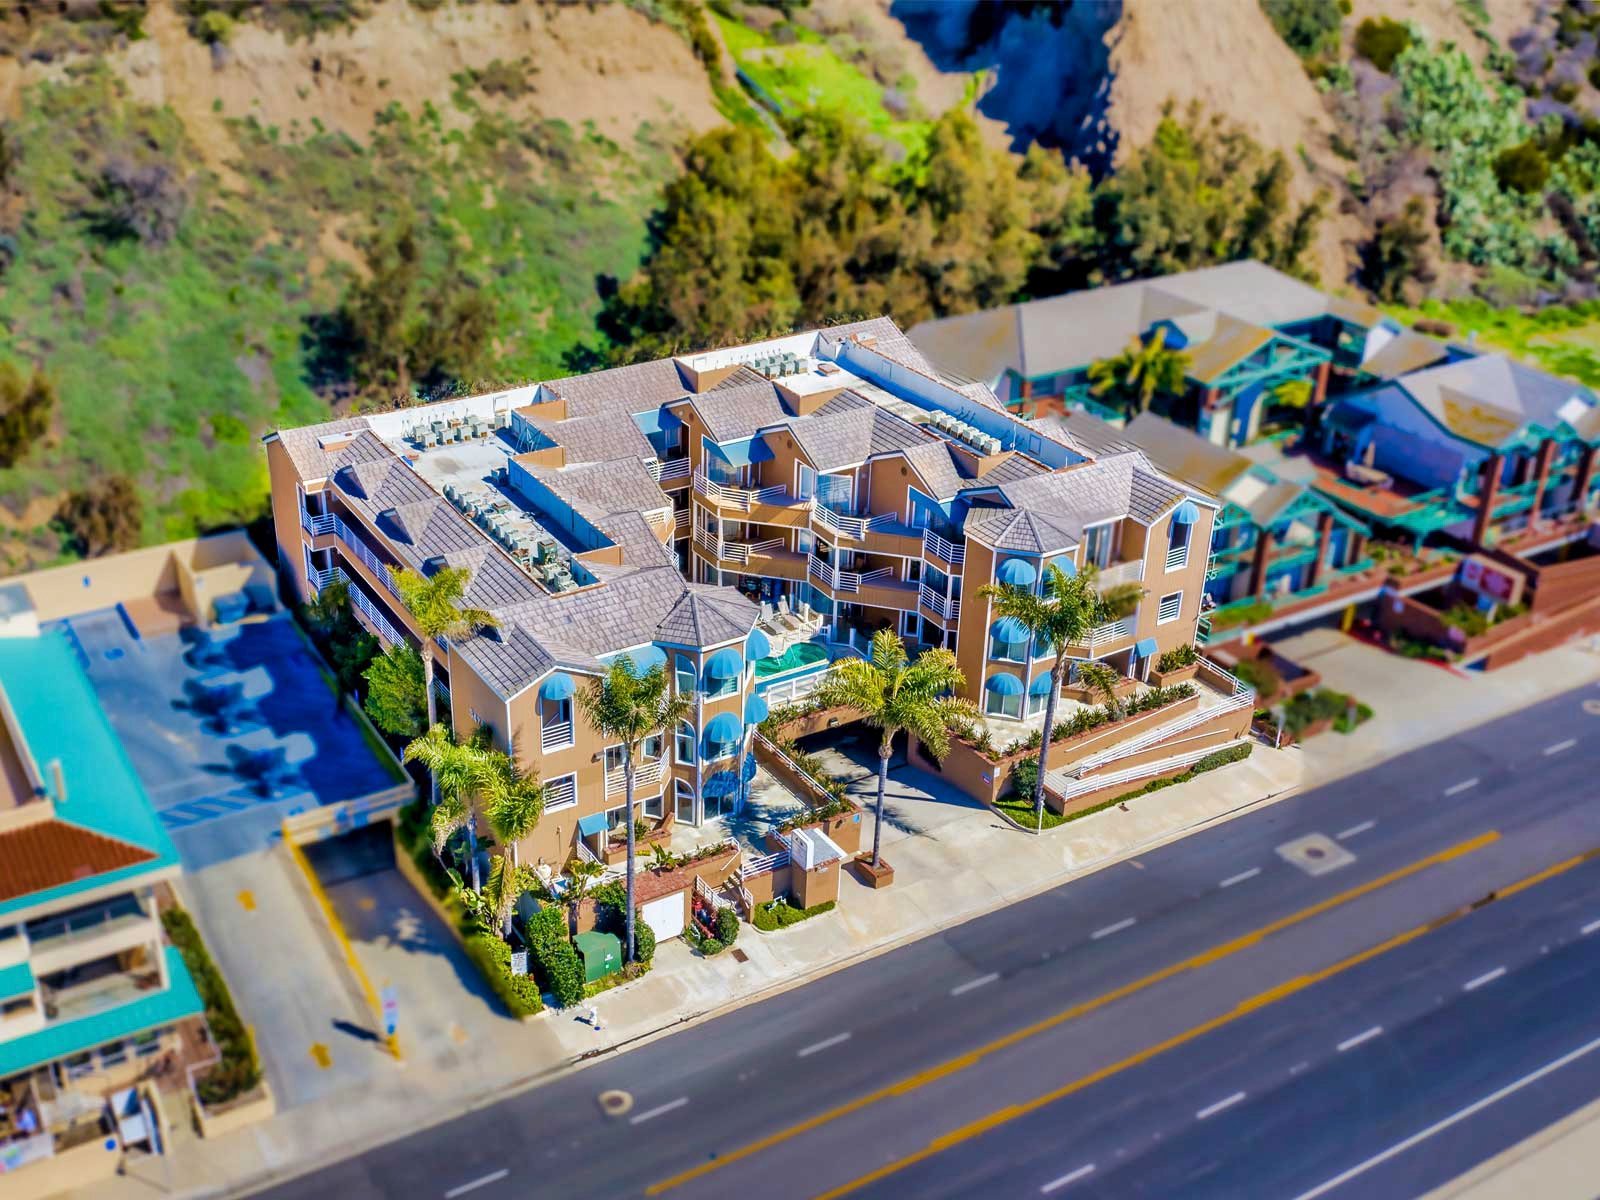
222 216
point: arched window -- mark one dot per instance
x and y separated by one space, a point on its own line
683 745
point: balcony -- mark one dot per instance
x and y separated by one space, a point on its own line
942 550
880 589
850 528
647 779
668 471
317 525
356 545
1103 639
1128 572
106 929
758 502
832 577
378 620
947 608
734 552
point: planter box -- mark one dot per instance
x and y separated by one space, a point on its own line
874 877
235 1115
1175 676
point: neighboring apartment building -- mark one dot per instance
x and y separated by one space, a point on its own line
742 517
91 994
1246 328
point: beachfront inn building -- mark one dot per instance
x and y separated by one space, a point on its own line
740 517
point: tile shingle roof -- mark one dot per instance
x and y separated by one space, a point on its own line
46 854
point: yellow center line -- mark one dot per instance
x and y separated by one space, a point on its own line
1244 1008
952 1066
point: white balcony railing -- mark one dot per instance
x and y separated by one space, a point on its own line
934 546
843 526
557 735
680 522
948 607
608 873
647 778
761 863
375 615
317 525
744 499
739 552
560 793
1128 572
790 691
672 468
321 579
1178 557
1103 637
357 546
833 577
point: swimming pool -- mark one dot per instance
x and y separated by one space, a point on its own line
801 654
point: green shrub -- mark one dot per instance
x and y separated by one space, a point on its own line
1343 724
1324 704
239 1070
1407 646
1024 776
727 926
1179 656
1022 813
1522 168
644 940
780 914
492 957
1261 676
708 946
1381 40
553 958
610 902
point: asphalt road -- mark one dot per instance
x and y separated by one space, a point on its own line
1195 1022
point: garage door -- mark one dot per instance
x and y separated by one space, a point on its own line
664 916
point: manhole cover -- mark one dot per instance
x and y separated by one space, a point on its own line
615 1103
739 955
1316 854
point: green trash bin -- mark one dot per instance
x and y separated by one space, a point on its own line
601 953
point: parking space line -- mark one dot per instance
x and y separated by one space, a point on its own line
835 1040
474 1185
1352 1042
1355 829
1487 977
1558 747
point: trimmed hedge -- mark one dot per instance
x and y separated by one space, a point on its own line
552 957
519 993
727 926
610 902
780 914
239 1070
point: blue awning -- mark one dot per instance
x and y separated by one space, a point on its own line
1188 513
644 660
755 710
1009 629
592 824
1004 684
725 664
724 727
1145 647
1018 572
744 453
757 645
558 687
1040 685
657 420
1064 561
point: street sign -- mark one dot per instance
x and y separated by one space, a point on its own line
391 1011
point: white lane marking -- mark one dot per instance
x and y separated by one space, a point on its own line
972 985
1298 1067
1454 1118
1558 747
1214 1109
1466 785
1355 829
1240 877
1590 928
1069 1177
1352 1042
1110 929
1486 977
652 1113
835 1040
495 1177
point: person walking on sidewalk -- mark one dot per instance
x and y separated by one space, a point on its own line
594 1017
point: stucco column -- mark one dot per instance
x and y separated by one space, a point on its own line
1319 383
1258 564
1487 493
1547 449
1324 535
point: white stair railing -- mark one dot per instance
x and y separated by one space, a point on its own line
1068 788
1159 733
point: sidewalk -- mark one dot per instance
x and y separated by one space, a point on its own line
953 859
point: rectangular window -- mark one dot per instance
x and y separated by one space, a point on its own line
15 1008
721 687
560 793
146 1044
113 1054
1009 651
79 1065
1097 544
651 807
1171 606
997 705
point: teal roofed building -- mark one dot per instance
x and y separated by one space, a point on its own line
91 994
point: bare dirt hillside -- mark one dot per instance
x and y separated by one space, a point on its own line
1226 55
606 64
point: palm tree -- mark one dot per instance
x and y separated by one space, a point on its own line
1059 616
462 773
1104 680
515 800
506 882
1141 372
626 710
434 603
583 874
892 694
